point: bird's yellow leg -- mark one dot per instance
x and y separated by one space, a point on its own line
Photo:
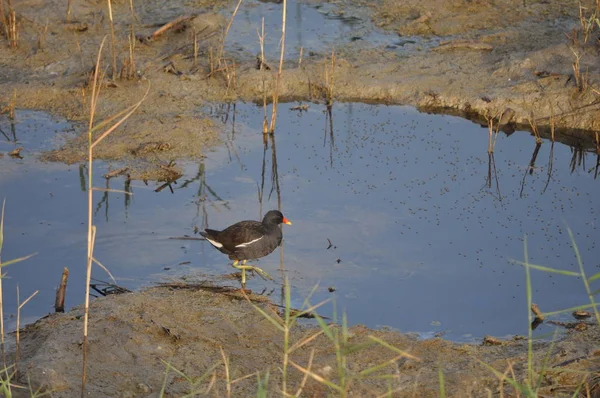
243 267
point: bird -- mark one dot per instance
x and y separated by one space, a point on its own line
248 240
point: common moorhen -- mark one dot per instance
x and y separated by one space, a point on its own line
248 240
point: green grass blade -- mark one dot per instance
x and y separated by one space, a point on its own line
524 389
582 271
545 361
579 307
269 318
17 260
548 269
590 279
529 314
288 300
442 383
382 365
263 386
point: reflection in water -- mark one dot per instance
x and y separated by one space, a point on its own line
492 175
104 200
550 166
329 128
402 196
13 132
205 195
531 167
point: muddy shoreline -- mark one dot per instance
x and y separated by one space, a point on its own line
476 59
137 336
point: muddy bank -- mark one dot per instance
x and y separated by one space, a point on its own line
467 59
134 336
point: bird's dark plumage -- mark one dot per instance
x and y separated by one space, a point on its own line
248 240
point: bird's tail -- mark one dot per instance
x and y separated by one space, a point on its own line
209 233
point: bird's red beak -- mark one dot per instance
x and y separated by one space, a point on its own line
286 221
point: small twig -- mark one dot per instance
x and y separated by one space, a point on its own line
59 304
170 25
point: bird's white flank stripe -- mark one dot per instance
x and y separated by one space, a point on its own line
249 243
214 243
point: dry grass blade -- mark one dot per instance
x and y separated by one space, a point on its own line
112 190
305 378
18 331
131 110
222 47
317 377
227 377
305 341
112 40
501 376
3 19
382 365
101 265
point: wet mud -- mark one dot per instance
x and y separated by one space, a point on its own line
135 337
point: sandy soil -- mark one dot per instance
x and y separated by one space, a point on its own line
489 58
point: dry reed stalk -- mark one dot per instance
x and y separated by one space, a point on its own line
552 122
490 122
279 71
534 128
330 81
3 19
222 47
42 36
261 39
128 69
13 31
262 66
580 80
195 47
300 57
133 16
211 61
113 50
69 8
91 229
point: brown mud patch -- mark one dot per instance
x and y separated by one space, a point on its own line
487 57
133 336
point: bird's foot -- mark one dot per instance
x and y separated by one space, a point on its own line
261 273
253 269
